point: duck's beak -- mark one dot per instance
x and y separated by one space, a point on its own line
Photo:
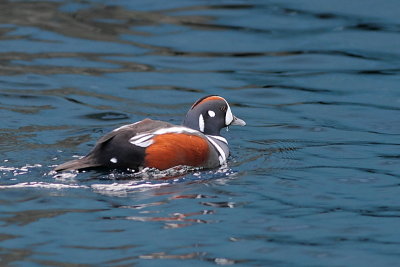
237 121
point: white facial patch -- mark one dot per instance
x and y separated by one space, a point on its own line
211 113
201 123
228 116
114 160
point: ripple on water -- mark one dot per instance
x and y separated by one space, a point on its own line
121 182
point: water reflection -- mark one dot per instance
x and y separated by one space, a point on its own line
23 218
62 29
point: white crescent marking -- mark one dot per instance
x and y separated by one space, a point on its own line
229 115
201 123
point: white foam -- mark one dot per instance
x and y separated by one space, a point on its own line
42 185
146 179
122 190
19 171
7 169
124 186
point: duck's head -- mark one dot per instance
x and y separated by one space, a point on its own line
210 114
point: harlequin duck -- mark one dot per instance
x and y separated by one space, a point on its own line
162 145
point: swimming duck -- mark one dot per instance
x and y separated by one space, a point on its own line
162 145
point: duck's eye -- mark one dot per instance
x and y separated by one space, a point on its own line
211 113
223 108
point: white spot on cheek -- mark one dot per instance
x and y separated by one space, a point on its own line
211 113
114 160
201 123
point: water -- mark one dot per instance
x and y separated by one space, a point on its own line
313 178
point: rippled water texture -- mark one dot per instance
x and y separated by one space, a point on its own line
313 179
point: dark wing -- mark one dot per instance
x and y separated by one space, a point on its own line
142 126
114 149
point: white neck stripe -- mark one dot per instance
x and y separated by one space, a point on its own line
220 138
222 158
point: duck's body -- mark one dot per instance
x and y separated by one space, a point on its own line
162 145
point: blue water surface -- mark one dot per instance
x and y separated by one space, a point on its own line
313 179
